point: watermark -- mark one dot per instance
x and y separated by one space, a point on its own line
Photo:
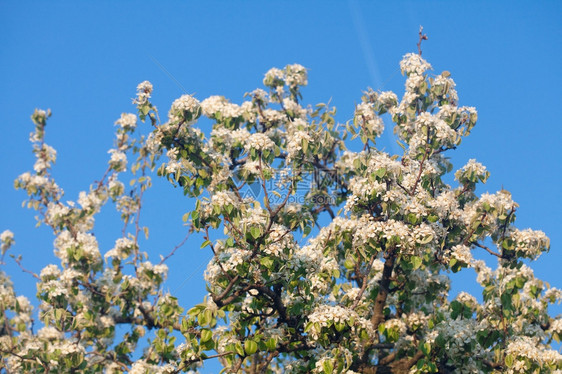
293 186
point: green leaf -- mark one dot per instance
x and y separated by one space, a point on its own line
440 341
250 347
144 109
508 244
416 262
432 218
255 232
271 344
184 325
328 367
509 361
206 335
205 318
266 261
205 243
239 349
426 240
506 301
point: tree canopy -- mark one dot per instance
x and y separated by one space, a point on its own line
329 255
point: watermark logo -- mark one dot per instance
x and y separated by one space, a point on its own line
295 186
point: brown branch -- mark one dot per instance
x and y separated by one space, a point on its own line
472 231
489 250
426 153
383 346
422 37
384 283
147 320
402 187
388 364
238 366
18 261
266 193
267 361
186 363
206 237
219 299
173 251
233 227
495 365
138 215
364 282
277 303
34 359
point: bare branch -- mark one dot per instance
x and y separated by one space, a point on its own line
25 270
422 37
173 251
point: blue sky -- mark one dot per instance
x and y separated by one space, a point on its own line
84 59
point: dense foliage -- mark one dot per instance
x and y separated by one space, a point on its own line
331 260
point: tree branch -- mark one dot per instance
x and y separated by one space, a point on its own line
422 37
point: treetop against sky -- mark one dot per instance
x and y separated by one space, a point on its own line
329 225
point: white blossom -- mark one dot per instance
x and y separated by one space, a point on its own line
144 90
186 108
413 63
127 121
118 160
7 240
260 142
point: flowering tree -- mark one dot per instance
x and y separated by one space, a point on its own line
331 260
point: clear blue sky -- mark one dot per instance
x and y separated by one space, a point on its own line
84 59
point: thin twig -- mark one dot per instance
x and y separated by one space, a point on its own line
488 250
364 283
207 238
422 37
177 246
18 261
